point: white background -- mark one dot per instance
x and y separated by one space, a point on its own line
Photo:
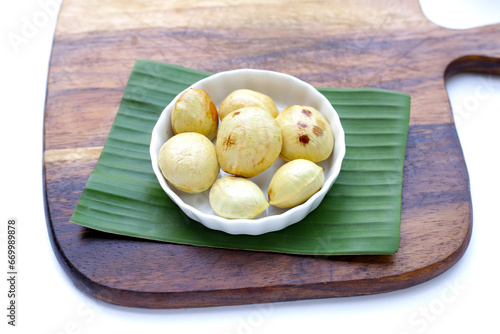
463 299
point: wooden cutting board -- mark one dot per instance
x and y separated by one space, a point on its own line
385 44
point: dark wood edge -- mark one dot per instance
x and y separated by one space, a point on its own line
473 64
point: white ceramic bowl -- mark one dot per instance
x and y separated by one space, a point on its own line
285 90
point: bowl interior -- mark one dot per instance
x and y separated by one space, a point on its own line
285 90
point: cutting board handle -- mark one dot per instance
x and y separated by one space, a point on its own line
473 63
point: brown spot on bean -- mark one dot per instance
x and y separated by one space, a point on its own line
228 142
304 139
317 131
236 113
213 112
306 112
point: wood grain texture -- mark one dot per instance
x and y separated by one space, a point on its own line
385 44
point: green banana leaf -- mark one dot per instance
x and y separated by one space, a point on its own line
360 214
